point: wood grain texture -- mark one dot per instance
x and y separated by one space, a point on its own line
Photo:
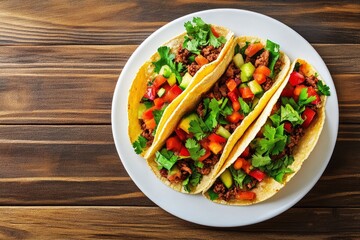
130 22
81 163
153 223
75 84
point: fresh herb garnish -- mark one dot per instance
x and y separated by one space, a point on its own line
199 34
288 113
304 99
213 196
258 160
323 89
139 144
193 180
238 176
244 107
297 66
198 128
274 50
194 149
273 142
278 168
167 58
165 159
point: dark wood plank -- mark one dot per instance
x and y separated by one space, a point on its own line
154 223
81 163
130 22
74 84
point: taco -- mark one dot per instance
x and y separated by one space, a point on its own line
164 80
213 116
273 149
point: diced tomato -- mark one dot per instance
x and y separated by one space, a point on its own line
204 143
231 85
213 30
158 102
216 138
298 89
246 93
166 86
288 127
236 106
150 93
304 68
159 80
312 92
205 156
308 116
257 174
184 152
148 114
259 77
288 91
233 96
248 195
238 164
246 152
173 144
215 147
173 92
246 165
253 48
181 134
296 78
263 70
235 117
201 60
150 123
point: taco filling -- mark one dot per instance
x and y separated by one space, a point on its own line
271 153
172 74
197 143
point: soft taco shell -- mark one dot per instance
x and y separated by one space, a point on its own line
269 187
146 72
192 99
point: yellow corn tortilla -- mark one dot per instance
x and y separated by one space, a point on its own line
269 187
190 103
146 72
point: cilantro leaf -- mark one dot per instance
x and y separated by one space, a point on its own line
242 50
238 176
278 168
195 178
258 160
139 144
194 149
244 107
304 99
275 118
213 196
167 58
198 128
323 88
157 117
297 66
165 158
237 49
289 114
199 34
274 50
212 118
273 142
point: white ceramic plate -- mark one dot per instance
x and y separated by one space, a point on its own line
196 208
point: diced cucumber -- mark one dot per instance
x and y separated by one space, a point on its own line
185 122
243 85
238 60
186 79
247 71
173 170
172 79
165 71
161 92
226 178
141 110
256 88
255 101
223 132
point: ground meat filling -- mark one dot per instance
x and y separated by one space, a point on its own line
147 133
183 56
295 137
311 81
262 59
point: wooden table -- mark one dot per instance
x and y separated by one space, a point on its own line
60 175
